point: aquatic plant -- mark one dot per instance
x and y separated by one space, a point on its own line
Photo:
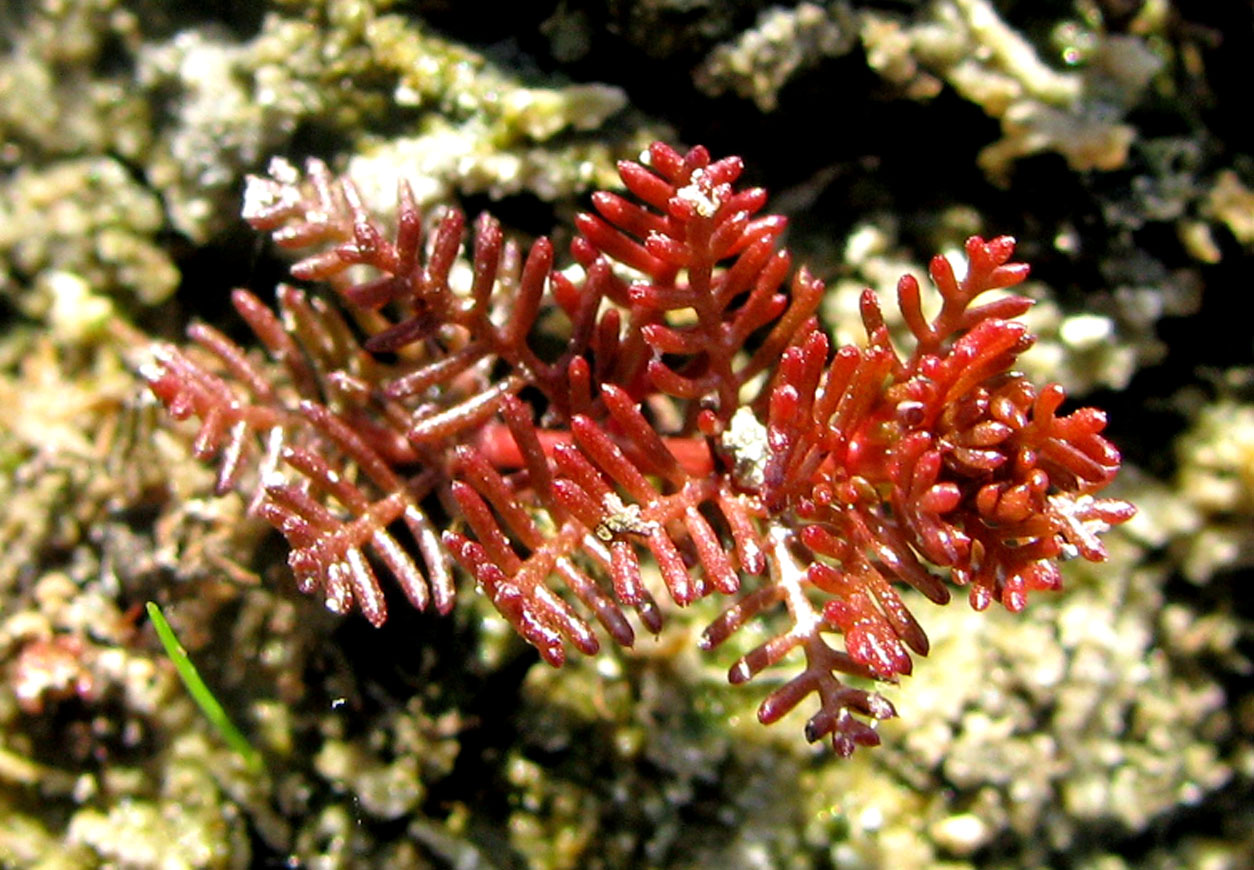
665 418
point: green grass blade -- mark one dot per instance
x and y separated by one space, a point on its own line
201 694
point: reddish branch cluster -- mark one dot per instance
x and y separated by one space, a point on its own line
672 418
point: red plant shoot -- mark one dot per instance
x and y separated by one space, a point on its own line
693 424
